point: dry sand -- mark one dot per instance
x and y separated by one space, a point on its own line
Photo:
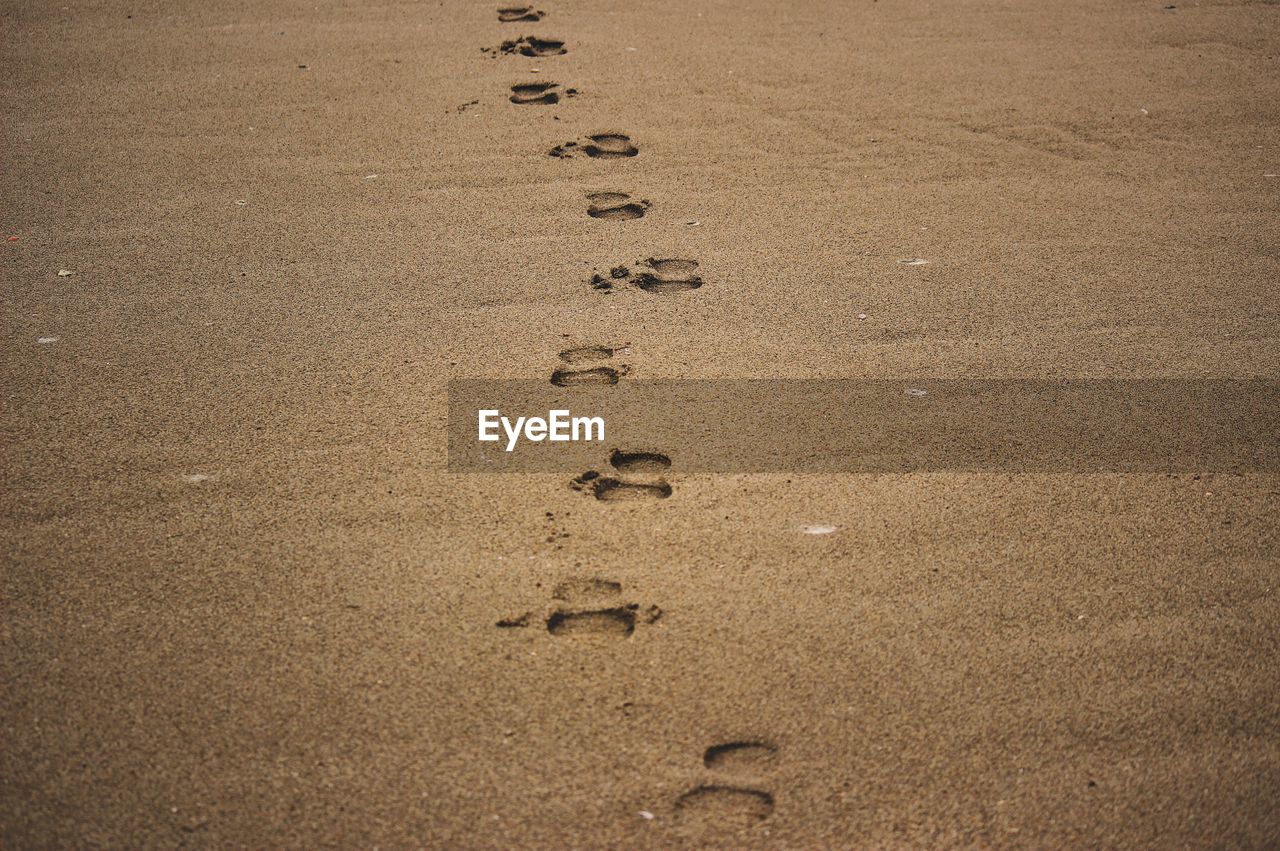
244 604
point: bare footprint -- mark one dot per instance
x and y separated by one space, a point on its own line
539 93
609 489
586 354
613 489
577 374
652 275
740 757
619 622
581 589
576 618
638 477
602 146
606 375
726 807
528 46
513 14
638 461
615 206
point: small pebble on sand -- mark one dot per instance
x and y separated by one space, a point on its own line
647 816
65 273
819 530
240 202
44 341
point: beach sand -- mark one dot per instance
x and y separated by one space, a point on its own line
245 605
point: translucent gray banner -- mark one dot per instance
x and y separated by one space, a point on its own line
866 426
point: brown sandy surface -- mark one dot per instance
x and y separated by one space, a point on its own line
299 648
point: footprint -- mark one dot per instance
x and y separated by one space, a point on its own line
613 488
638 477
600 619
714 805
513 14
528 46
652 276
609 489
728 805
582 589
570 376
539 93
740 757
583 354
606 375
619 622
602 146
615 206
638 462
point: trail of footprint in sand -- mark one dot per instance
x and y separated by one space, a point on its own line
724 807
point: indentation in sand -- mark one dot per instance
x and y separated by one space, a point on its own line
514 14
594 375
638 461
538 93
615 206
617 622
583 589
668 275
740 756
720 806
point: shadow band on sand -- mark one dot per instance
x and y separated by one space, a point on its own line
888 425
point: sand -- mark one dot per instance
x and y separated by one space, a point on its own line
244 604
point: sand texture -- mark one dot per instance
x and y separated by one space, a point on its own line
244 604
